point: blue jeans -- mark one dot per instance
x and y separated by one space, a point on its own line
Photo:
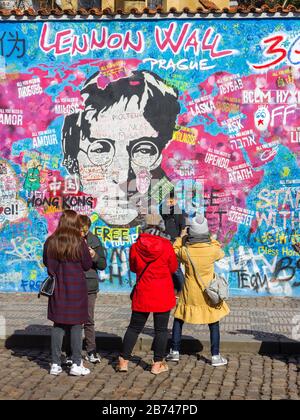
214 336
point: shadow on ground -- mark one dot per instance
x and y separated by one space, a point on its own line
276 346
42 358
39 336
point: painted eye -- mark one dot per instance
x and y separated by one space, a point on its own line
101 152
102 148
144 153
261 114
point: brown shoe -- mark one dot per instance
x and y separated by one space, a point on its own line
122 366
159 367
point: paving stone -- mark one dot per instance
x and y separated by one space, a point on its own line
181 382
259 317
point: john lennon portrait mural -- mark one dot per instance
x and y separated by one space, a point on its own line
112 118
115 144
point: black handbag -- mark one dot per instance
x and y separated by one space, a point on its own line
178 279
47 287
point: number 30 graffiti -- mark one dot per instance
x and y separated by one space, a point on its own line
276 47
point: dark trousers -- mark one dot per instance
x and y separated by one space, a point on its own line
89 327
214 336
57 335
137 323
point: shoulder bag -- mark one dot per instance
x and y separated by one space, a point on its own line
47 287
133 289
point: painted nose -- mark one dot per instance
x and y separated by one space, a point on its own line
119 173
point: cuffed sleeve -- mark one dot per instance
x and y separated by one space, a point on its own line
177 245
219 254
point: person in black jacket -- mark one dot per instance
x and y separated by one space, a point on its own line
99 263
175 223
173 216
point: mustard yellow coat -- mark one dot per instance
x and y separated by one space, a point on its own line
192 307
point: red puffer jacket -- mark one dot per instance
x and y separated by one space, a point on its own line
154 291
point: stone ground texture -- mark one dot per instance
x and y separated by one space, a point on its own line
268 317
250 374
24 376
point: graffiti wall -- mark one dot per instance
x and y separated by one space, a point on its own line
111 118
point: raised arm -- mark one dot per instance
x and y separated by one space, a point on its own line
219 253
177 247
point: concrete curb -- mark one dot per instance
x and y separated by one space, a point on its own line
113 342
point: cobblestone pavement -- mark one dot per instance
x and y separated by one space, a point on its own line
267 317
24 376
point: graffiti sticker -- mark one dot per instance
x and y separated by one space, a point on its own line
113 118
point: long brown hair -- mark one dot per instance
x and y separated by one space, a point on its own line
66 242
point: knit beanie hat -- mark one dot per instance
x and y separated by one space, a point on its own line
198 226
152 220
153 224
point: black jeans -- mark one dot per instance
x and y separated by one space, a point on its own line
214 336
58 332
137 323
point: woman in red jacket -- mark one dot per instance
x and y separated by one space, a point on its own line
154 261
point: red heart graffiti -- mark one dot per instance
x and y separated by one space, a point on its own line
1 209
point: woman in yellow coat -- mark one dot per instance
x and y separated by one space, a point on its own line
193 306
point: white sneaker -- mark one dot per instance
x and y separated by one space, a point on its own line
93 357
79 370
55 369
173 356
218 361
67 361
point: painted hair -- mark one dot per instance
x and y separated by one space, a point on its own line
157 100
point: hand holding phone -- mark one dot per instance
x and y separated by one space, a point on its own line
184 232
92 252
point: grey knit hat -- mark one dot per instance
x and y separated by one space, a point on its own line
152 220
198 226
